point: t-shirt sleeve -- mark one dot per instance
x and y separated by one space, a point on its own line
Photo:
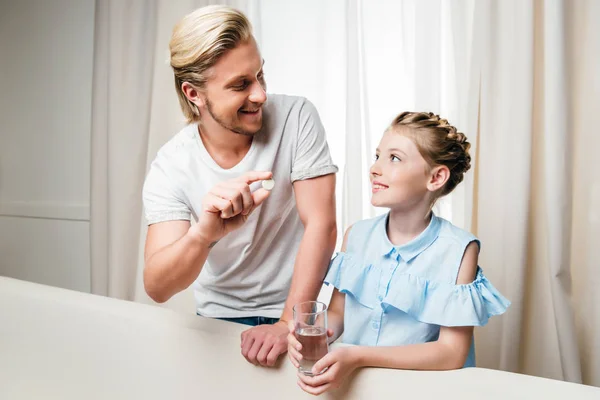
312 157
163 198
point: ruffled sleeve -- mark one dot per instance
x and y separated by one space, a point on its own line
446 304
349 276
431 302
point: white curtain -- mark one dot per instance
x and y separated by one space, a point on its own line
124 63
518 77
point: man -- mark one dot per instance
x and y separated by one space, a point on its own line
252 254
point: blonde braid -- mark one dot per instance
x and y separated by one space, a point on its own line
439 143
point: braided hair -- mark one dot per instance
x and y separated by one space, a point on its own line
438 142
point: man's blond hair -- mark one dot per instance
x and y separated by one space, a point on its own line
197 43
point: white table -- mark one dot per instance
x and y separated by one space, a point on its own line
60 344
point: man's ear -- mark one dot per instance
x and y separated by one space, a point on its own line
192 94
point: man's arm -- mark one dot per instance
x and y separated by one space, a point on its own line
173 259
175 252
315 200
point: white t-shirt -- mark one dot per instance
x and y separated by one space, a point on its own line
249 271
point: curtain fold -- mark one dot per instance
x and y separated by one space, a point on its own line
125 34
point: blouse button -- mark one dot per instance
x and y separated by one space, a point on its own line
375 325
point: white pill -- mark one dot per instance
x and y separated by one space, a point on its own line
268 184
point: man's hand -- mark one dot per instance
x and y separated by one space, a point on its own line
228 205
263 344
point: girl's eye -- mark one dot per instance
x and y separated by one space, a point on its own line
394 158
376 157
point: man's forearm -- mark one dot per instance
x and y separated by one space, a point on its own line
175 267
311 264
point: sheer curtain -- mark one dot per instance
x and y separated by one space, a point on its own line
518 77
124 63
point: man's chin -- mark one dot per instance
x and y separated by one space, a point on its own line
247 130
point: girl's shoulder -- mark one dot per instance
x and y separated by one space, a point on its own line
364 232
451 234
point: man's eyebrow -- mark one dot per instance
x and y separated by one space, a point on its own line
237 78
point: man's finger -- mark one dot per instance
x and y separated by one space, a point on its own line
264 351
247 199
242 192
227 212
253 176
234 195
247 345
215 204
274 354
256 346
258 197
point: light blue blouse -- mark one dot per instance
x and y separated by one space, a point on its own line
400 295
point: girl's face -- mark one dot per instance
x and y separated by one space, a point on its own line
400 176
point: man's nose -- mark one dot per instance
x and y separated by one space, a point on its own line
258 94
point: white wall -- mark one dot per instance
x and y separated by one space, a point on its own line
46 59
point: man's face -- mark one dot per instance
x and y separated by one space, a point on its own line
236 91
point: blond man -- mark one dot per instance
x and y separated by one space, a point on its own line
256 250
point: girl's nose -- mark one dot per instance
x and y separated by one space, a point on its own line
375 170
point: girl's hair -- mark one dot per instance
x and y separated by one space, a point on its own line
197 43
438 142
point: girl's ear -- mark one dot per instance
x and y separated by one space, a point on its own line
438 177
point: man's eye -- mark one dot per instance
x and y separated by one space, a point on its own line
241 86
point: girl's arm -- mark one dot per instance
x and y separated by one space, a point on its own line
335 315
451 349
335 311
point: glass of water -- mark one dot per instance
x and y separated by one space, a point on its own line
310 322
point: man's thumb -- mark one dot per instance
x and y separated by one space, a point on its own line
259 196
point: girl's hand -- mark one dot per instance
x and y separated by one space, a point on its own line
339 363
294 346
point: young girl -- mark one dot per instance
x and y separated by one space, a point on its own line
408 290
